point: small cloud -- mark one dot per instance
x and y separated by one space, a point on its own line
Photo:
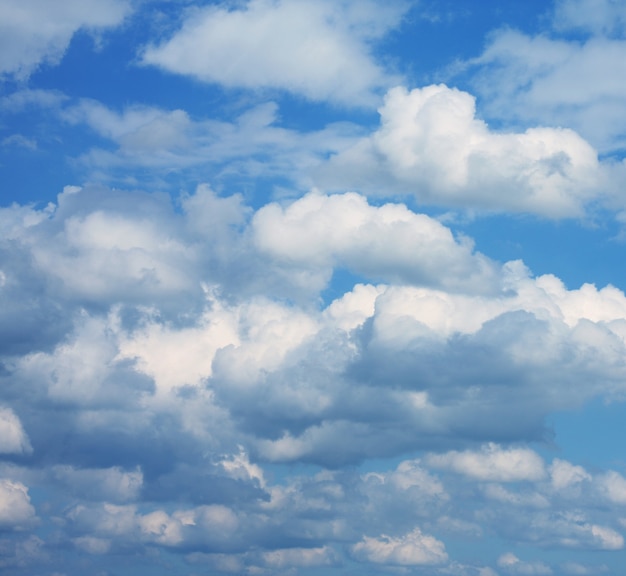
19 141
413 549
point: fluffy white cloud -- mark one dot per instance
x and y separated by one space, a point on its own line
204 391
319 49
16 511
564 474
613 486
493 463
13 439
557 82
188 526
412 549
318 233
37 31
431 144
187 311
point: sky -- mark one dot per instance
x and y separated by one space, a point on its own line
312 287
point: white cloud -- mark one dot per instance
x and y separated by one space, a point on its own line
557 82
105 522
38 31
511 564
431 144
320 49
13 438
412 549
492 463
318 232
613 486
196 316
16 511
19 140
572 528
564 474
598 17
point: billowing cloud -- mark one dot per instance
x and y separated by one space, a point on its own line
36 31
318 233
412 549
320 50
492 463
431 145
156 319
13 439
16 510
280 373
253 145
564 475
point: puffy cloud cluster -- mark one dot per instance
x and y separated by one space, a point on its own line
430 144
16 510
413 549
198 361
316 383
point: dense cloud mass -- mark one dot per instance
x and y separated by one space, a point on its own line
251 338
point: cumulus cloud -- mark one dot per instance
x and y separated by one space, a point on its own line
200 379
16 511
320 50
253 145
13 439
317 233
412 549
33 32
430 144
511 564
558 82
493 463
226 337
564 474
279 381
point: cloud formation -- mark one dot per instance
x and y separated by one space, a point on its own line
33 32
320 50
431 145
238 335
559 81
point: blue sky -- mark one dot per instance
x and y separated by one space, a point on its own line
304 287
